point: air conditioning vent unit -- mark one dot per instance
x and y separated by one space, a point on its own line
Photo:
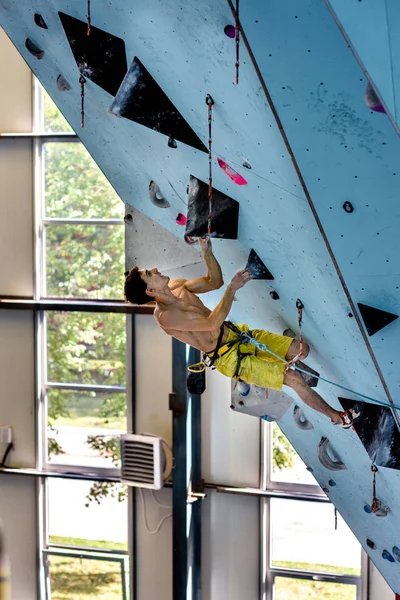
142 461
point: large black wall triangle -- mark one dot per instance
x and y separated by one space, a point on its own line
100 56
225 212
374 318
141 99
256 267
377 431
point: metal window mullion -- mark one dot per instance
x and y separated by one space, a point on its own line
81 221
83 387
315 576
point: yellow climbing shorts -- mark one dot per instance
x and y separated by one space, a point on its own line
258 367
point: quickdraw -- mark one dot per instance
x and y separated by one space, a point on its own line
210 103
299 306
88 18
82 81
374 507
237 40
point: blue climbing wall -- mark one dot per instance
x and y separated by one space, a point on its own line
373 32
298 119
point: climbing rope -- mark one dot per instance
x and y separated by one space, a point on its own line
374 470
210 103
265 348
237 40
82 81
88 18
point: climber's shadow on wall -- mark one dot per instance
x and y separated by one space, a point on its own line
378 432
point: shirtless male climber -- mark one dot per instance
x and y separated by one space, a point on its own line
182 315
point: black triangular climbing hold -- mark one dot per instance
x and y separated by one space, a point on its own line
256 267
225 212
100 57
142 100
374 318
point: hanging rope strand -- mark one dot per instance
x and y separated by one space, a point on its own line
88 18
374 469
237 39
210 103
82 81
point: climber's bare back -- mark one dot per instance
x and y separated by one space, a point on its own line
188 307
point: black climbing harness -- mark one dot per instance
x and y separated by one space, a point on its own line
209 358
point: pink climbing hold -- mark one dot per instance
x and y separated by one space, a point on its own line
181 219
234 175
372 100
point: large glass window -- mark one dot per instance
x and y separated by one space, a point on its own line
83 358
303 537
287 588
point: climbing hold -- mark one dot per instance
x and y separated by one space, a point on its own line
372 100
325 489
387 556
246 164
310 469
382 510
274 295
140 99
180 219
268 418
40 22
232 174
332 463
172 143
348 207
311 377
332 483
396 552
256 267
301 420
34 49
230 31
156 197
374 318
225 214
371 544
243 388
62 84
100 57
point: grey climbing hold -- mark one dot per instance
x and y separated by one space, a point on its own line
333 462
62 84
300 419
34 49
156 196
371 544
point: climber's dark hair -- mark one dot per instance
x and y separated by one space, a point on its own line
135 288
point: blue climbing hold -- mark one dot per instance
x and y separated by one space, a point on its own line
268 418
332 483
396 552
368 509
243 388
387 556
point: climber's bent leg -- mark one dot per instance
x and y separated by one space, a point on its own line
294 380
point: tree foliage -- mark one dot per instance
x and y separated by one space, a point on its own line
83 261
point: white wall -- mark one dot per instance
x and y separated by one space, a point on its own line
17 494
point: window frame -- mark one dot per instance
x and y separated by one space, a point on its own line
300 492
42 385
